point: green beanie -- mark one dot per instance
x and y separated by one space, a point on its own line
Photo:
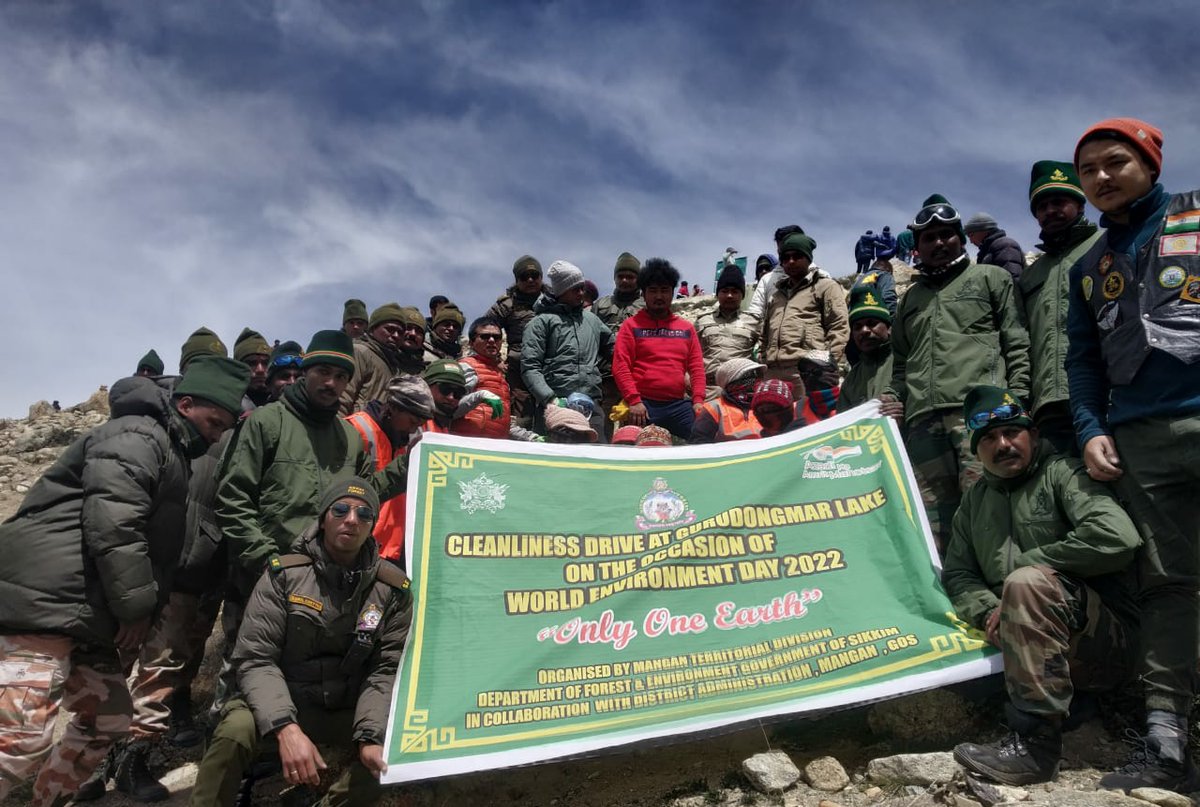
216 379
334 348
152 361
250 343
449 311
865 302
626 263
445 371
202 342
288 348
388 312
983 399
348 486
1049 177
354 309
411 315
525 262
798 242
936 199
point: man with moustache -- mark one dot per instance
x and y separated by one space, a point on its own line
284 368
1133 368
377 355
1039 560
491 417
252 350
514 311
354 318
1056 201
871 332
613 309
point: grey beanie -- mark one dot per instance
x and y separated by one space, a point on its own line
562 277
411 393
981 223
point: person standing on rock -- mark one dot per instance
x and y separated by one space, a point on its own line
958 326
354 318
315 658
1056 200
725 331
88 560
1039 560
1133 368
514 311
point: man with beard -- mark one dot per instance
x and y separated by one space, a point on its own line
871 332
441 341
284 367
1039 560
252 350
354 318
728 417
957 327
377 355
514 310
1056 200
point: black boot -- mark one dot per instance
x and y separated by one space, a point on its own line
134 777
245 794
97 784
183 731
1028 754
1154 763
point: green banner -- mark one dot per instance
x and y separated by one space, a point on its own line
571 598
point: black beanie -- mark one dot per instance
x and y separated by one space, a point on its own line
732 275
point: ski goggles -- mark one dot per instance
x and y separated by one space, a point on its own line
286 360
1002 413
942 213
340 510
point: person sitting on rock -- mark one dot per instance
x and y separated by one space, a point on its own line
1039 560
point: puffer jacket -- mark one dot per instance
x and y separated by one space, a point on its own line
375 365
514 310
954 331
489 377
563 351
1053 515
867 379
806 315
998 249
97 538
316 634
203 562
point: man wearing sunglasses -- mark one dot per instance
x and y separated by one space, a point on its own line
379 356
957 327
1133 367
484 373
1039 561
316 655
448 384
514 310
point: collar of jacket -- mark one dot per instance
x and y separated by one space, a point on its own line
550 305
185 435
388 354
521 297
442 348
346 581
1140 210
1014 482
1060 242
942 276
295 398
627 298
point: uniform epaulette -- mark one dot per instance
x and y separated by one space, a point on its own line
278 563
393 576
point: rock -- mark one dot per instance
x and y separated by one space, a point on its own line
990 793
914 769
827 774
828 803
873 792
935 717
40 410
1163 798
1094 798
8 462
771 772
22 488
98 402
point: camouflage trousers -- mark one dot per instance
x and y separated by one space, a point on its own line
1056 637
940 451
175 641
39 673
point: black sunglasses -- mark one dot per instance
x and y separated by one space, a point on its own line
488 337
451 390
529 276
341 510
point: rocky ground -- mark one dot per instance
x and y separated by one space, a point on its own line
890 754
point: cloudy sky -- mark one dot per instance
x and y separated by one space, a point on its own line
175 164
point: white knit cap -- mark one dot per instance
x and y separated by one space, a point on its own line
562 277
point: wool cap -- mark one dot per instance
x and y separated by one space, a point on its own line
559 417
798 242
731 277
202 342
354 309
352 487
388 312
152 361
218 380
981 223
772 391
445 371
334 348
653 435
525 262
250 343
734 369
865 302
1142 136
986 399
288 348
411 315
626 436
412 394
626 263
449 311
1050 178
562 276
766 259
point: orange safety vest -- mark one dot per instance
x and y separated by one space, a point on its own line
431 426
732 422
478 422
389 528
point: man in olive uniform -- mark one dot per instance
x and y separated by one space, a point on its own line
513 310
726 332
871 333
354 318
1039 560
613 309
88 559
315 657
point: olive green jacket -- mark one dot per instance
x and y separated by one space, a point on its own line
1052 515
867 379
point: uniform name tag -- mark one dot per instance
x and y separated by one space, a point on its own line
307 602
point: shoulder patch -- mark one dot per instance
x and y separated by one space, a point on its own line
278 563
307 602
393 575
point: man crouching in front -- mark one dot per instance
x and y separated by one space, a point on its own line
1039 560
315 658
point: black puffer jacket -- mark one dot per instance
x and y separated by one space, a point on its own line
1000 250
99 535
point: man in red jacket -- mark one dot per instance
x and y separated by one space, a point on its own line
656 354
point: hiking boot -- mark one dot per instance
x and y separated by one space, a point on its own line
1028 754
245 794
1154 764
97 784
182 731
134 777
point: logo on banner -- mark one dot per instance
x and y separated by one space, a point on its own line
481 493
663 508
830 462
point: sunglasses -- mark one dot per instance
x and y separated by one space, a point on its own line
1003 412
340 510
451 390
939 212
286 360
529 276
488 337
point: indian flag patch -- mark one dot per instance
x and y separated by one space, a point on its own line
1186 222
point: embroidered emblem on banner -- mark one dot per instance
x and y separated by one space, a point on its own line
1172 277
663 508
1188 244
1114 284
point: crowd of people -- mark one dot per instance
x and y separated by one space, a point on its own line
1051 414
